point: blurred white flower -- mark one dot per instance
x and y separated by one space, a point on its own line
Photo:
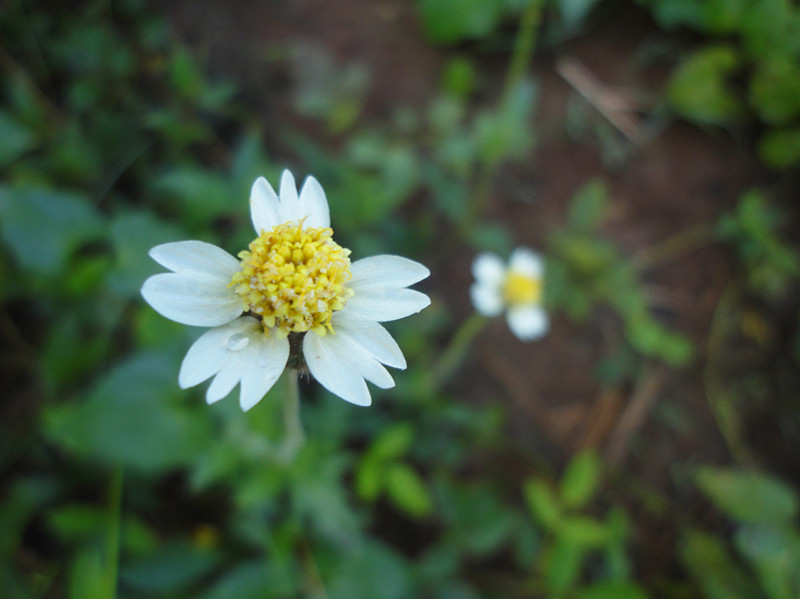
515 288
293 297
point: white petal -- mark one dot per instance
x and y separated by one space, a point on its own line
386 271
236 352
384 304
229 375
192 299
314 204
527 322
370 336
205 357
333 369
486 298
267 366
197 257
526 262
290 203
264 205
489 269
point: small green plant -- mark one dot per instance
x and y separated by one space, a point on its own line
763 558
573 536
585 270
751 67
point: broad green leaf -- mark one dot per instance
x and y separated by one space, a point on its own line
393 442
131 417
780 148
579 481
718 574
749 496
699 88
16 139
132 236
44 227
775 90
542 502
563 565
88 576
369 570
407 491
613 589
775 553
171 568
588 206
370 478
582 531
257 579
448 21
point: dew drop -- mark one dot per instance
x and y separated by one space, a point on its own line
237 342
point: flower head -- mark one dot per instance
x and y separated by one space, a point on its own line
515 288
293 297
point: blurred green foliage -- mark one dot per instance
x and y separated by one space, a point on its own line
117 484
751 67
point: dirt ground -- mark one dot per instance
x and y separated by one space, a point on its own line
657 427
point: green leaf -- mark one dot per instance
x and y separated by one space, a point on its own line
131 417
582 531
542 502
699 88
579 482
588 207
718 574
780 148
169 569
775 553
33 222
132 236
749 496
16 139
613 589
369 570
447 21
775 90
393 442
370 478
407 491
258 579
88 576
563 566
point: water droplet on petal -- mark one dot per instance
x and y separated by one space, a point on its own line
237 342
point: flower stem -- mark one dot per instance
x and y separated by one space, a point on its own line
454 354
113 531
295 435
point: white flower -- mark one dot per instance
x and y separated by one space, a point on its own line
517 288
294 297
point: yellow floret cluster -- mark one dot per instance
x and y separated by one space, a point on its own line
521 289
294 279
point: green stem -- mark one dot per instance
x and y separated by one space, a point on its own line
520 62
113 531
295 435
523 47
454 354
672 247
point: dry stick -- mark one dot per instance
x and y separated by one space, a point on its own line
635 413
613 106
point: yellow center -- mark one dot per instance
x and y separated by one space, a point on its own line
294 279
521 289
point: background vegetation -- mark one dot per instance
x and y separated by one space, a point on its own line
115 136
